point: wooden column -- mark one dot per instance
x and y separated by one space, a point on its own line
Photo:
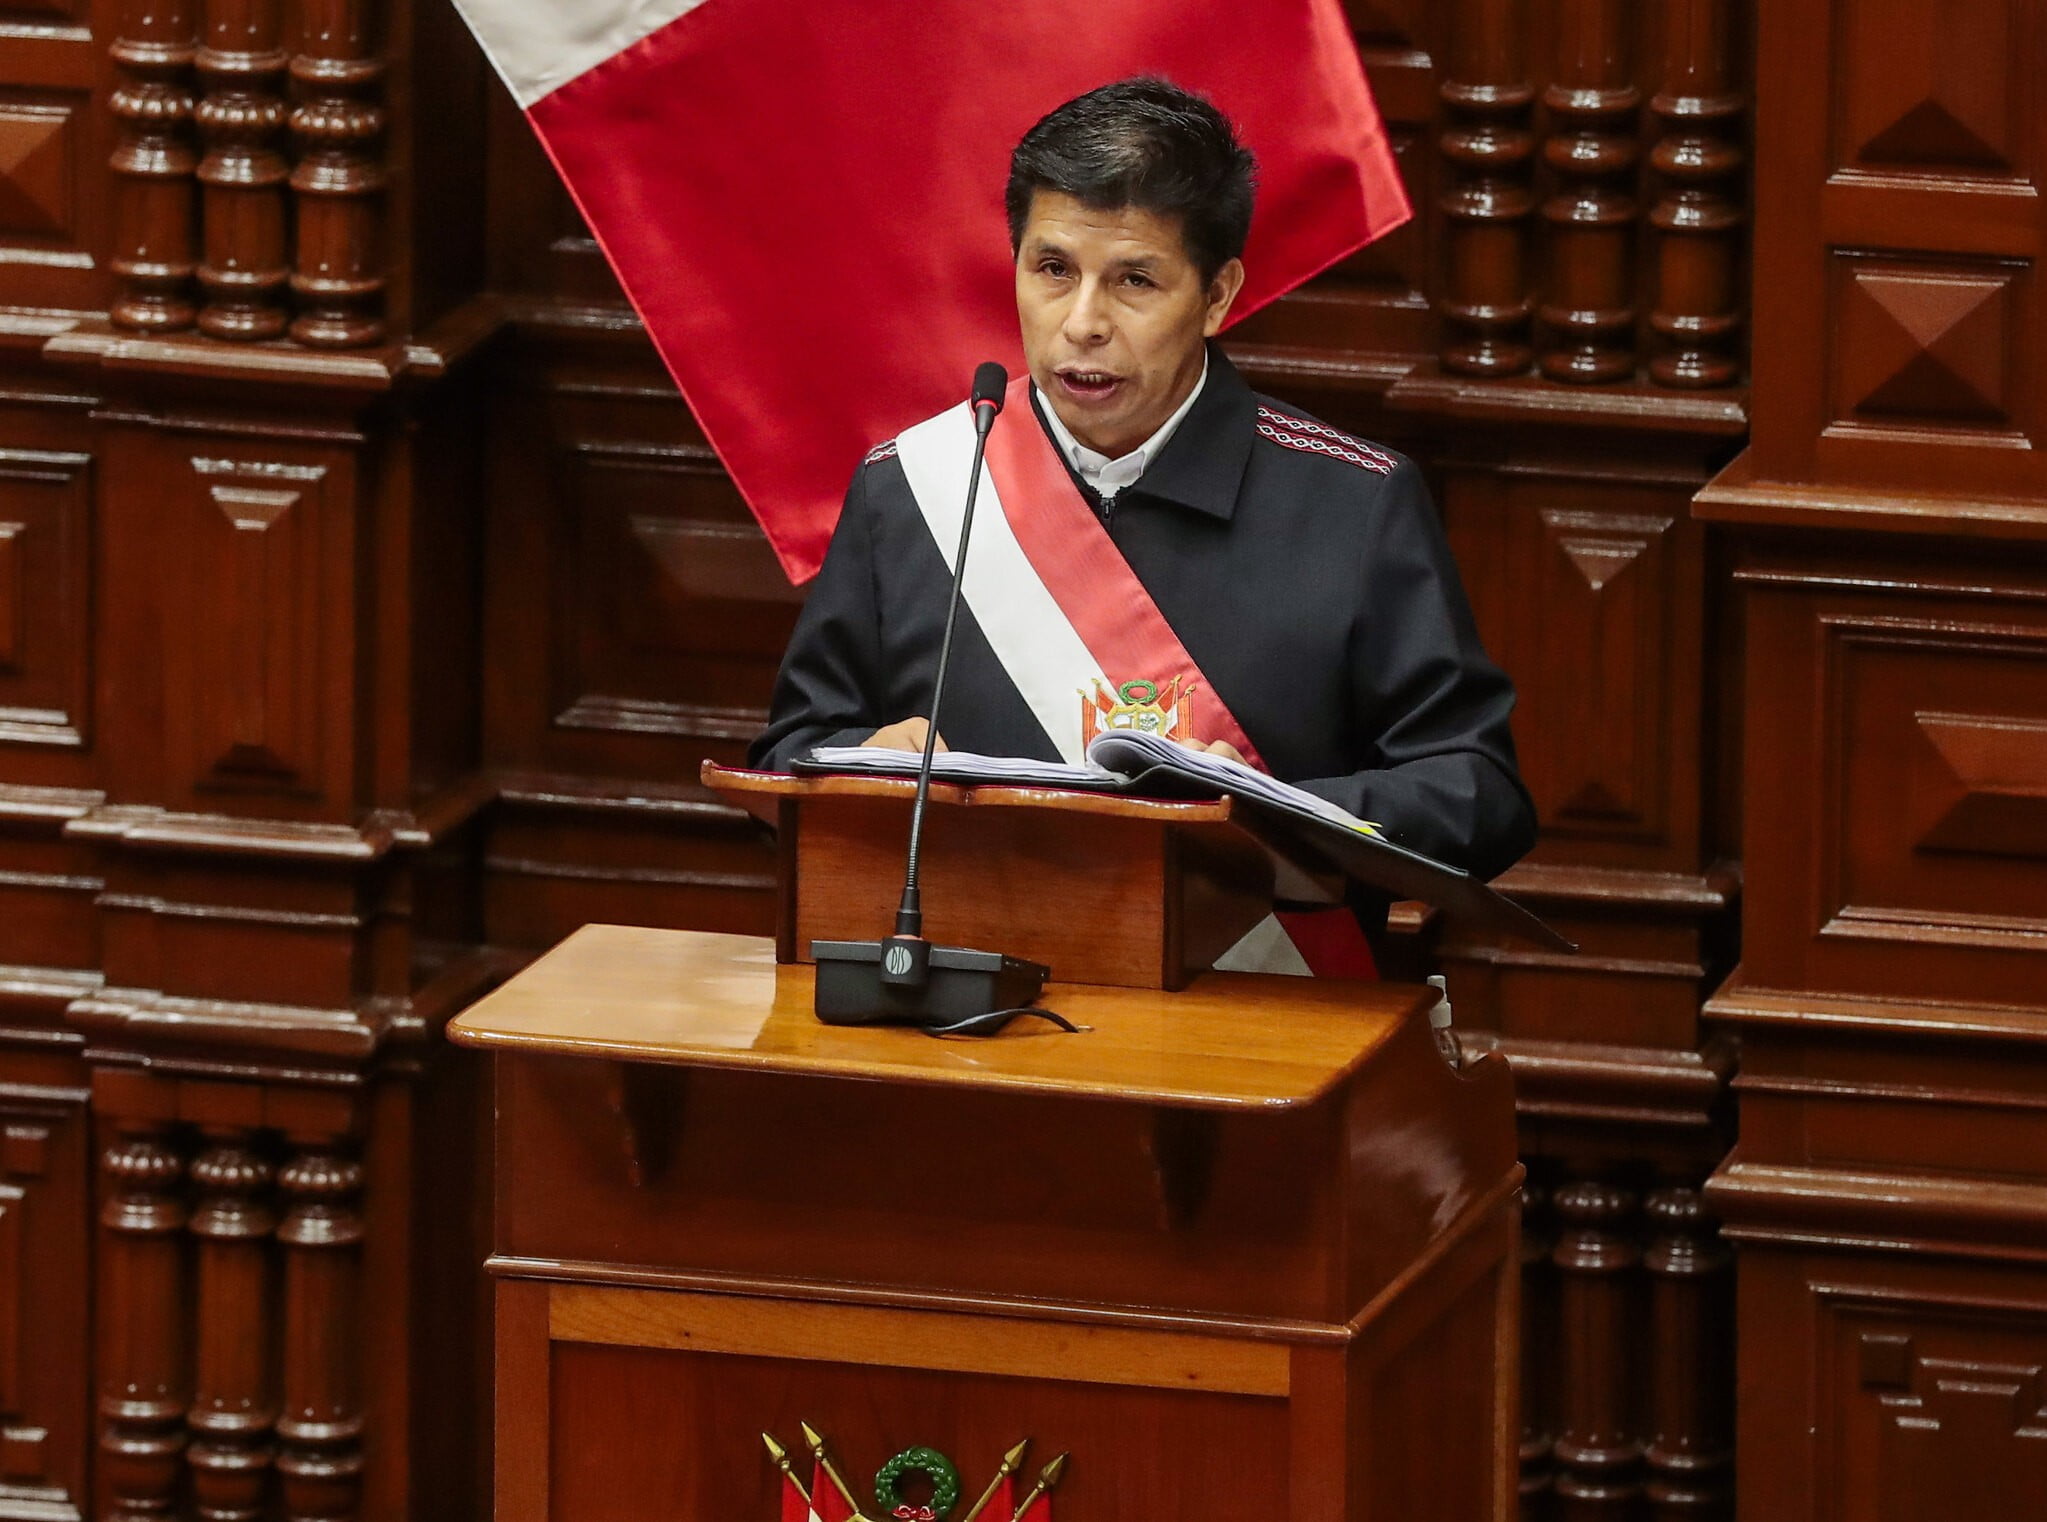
321 1427
233 1399
142 1353
1489 144
1597 1456
155 209
1698 213
243 272
1538 1317
1588 309
338 182
1690 1454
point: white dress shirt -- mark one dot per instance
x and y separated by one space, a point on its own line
1109 476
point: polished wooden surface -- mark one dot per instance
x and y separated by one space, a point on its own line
715 1217
1888 529
1232 1040
343 669
323 667
1131 892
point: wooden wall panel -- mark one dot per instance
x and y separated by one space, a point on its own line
251 691
52 144
45 597
44 1444
404 630
668 596
1929 1392
1887 525
1591 593
1899 753
1901 232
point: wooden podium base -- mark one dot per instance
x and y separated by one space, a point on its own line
1244 1252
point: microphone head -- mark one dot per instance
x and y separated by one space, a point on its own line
991 383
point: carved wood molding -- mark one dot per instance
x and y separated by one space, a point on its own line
1877 1210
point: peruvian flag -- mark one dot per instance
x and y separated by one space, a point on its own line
803 198
826 1504
795 1504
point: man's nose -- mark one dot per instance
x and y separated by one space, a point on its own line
1087 320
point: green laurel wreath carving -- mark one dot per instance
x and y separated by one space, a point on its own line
945 1480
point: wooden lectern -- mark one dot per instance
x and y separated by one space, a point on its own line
1245 1251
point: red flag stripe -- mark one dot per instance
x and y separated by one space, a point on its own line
818 288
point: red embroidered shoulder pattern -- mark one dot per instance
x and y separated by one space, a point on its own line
880 452
1319 438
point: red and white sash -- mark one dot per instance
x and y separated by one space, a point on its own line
1063 611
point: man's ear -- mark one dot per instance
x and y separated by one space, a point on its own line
1222 293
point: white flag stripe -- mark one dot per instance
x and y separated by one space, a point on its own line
1033 639
538 46
1266 947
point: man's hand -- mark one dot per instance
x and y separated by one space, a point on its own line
1221 748
907 735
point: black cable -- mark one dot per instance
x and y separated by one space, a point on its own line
992 1022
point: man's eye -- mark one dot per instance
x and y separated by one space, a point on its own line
1136 279
1053 268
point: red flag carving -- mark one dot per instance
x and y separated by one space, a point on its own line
803 198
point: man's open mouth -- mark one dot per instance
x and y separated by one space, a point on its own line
1089 385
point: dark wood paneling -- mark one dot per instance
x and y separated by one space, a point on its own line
45 597
1896 753
352 652
53 142
44 1438
1888 522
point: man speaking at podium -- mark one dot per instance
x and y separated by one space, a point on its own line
1169 548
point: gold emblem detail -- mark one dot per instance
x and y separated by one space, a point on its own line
1145 706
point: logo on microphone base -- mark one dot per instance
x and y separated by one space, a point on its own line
897 961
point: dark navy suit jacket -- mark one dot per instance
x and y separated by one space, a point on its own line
1317 596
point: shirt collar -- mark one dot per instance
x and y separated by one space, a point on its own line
1204 468
1109 476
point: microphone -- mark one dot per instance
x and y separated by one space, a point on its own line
905 979
991 385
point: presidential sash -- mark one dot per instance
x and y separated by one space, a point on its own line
1080 636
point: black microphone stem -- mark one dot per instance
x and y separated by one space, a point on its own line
910 913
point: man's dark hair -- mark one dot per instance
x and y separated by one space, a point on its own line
1145 143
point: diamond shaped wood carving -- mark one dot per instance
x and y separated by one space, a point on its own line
1982 785
1923 342
35 169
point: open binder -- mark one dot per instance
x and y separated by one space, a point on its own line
1307 833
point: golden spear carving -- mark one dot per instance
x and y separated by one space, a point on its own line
1048 1477
781 1457
830 1470
1012 1461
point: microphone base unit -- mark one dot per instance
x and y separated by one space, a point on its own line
853 988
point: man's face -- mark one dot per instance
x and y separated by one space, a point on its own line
1114 312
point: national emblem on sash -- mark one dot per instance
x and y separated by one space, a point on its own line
1147 707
